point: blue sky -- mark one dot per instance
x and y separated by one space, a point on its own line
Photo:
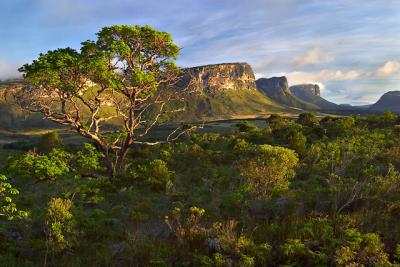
350 47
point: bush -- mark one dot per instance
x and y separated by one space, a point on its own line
155 174
8 209
308 119
49 141
40 167
59 224
246 126
267 174
361 250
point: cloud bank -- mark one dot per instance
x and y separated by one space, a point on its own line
8 70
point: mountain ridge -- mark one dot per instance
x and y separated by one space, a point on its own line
277 89
389 101
311 93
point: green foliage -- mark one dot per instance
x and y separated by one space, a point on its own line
308 119
40 167
297 140
338 127
156 175
396 131
187 226
361 250
60 68
275 121
333 203
246 126
88 159
267 174
114 78
134 45
59 223
8 208
295 253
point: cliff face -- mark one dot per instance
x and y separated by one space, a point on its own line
388 102
274 87
306 89
312 94
210 79
277 89
9 86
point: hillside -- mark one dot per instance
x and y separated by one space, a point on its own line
277 89
388 102
11 116
311 93
223 91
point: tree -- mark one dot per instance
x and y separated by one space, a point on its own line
125 76
268 171
308 119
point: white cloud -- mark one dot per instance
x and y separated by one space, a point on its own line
8 70
313 57
298 77
389 68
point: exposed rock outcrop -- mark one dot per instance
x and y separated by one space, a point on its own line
309 89
311 93
210 79
277 88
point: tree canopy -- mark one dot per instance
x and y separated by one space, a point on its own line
125 77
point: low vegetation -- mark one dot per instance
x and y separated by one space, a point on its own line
304 192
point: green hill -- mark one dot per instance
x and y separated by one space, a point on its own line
388 102
244 103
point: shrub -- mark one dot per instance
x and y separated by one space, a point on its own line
246 126
59 224
8 209
88 159
49 141
308 119
361 250
156 174
268 173
40 167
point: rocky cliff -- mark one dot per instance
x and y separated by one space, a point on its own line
309 89
211 79
311 93
388 102
277 89
223 91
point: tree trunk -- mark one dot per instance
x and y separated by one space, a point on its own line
119 161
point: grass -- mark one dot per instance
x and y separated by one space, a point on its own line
241 104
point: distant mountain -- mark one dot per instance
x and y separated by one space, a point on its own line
388 102
312 94
277 89
210 79
226 90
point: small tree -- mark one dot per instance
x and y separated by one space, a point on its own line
308 119
125 76
268 171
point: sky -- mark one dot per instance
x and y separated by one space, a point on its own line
351 48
